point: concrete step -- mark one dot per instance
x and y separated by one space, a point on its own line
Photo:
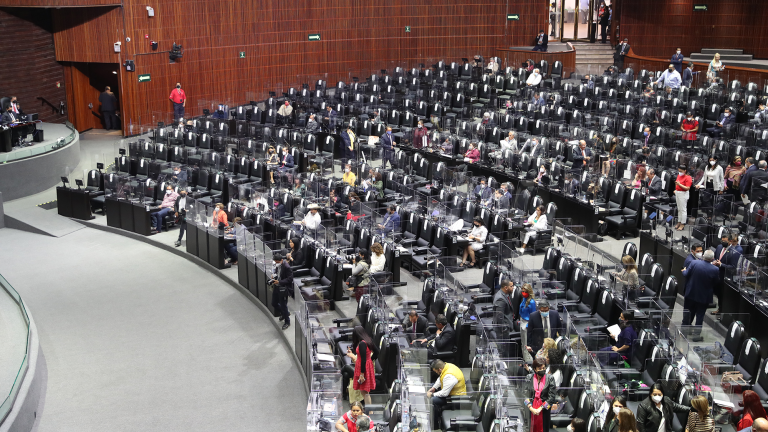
712 51
595 59
723 57
593 47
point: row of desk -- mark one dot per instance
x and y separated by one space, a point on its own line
74 203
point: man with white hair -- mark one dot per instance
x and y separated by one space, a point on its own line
492 67
534 79
312 125
701 276
487 120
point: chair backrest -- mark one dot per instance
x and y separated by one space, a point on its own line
605 305
749 358
591 294
630 249
734 339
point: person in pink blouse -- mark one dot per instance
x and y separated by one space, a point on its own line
472 155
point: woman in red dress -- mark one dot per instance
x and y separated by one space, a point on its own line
689 127
363 352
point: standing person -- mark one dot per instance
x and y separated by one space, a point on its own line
622 50
363 352
179 99
699 419
542 324
180 211
348 145
627 422
282 286
654 414
219 219
734 173
726 256
502 304
714 68
420 138
527 307
541 394
682 185
712 181
689 127
450 382
108 103
581 156
688 75
541 41
167 206
611 423
753 410
388 148
677 61
670 78
361 274
605 19
745 185
332 117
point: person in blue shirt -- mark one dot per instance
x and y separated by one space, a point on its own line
391 221
537 100
482 191
527 307
623 343
670 78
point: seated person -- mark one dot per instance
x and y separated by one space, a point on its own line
312 125
354 420
391 222
537 100
284 113
623 342
443 340
286 162
725 119
542 176
278 210
689 127
219 219
349 177
588 82
487 120
179 175
312 219
534 79
500 203
335 202
378 259
415 324
166 207
373 182
482 191
649 92
477 241
230 248
571 185
299 188
472 155
450 382
535 223
492 67
447 146
639 178
509 143
761 115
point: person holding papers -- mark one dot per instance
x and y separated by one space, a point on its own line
623 336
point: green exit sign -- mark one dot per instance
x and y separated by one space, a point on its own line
407 29
514 17
144 78
699 7
242 54
314 37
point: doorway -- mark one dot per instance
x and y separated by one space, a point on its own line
574 20
84 83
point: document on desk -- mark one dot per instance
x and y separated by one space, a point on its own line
614 330
745 199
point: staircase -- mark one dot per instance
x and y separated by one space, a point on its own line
593 58
730 57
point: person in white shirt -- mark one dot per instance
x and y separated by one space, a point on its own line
378 260
285 112
534 79
492 67
312 219
712 180
536 222
509 143
477 239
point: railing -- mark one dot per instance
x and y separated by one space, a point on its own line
36 150
23 361
45 101
515 57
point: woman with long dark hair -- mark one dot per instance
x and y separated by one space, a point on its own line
753 409
362 352
623 342
611 423
654 410
295 257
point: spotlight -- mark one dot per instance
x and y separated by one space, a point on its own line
176 52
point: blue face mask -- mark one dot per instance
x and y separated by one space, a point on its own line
389 132
544 314
645 133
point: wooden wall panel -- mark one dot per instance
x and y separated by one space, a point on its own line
745 75
357 38
88 34
656 27
35 59
515 58
57 3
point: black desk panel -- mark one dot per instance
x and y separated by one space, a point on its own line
202 243
126 215
63 201
191 234
112 209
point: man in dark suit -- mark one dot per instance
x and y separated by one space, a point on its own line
502 304
16 108
688 75
581 156
727 257
758 178
287 162
701 276
725 119
387 142
697 251
415 324
443 340
9 116
348 145
108 103
571 185
542 324
540 43
745 185
482 191
534 148
180 211
391 222
331 116
622 50
282 285
648 139
677 61
654 183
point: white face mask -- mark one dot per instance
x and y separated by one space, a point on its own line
569 428
712 163
727 114
542 170
657 399
168 191
678 52
698 255
346 169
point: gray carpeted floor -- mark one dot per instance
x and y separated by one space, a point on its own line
136 339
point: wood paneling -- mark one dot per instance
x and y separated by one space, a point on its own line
28 69
656 28
357 38
88 35
745 75
515 58
57 3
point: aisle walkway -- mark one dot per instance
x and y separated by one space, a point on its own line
140 340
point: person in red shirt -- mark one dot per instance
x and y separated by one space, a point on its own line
472 155
689 127
179 99
682 185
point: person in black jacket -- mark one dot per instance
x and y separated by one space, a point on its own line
180 211
611 423
655 407
282 286
538 331
415 324
540 396
108 103
295 256
540 43
444 338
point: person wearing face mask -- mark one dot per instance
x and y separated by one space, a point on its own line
348 144
387 142
284 113
535 223
654 414
544 323
689 126
167 206
500 202
502 304
539 180
688 75
477 239
712 181
312 125
391 222
541 41
697 253
622 342
272 161
677 61
761 115
628 277
726 119
581 156
361 275
472 155
534 79
482 191
670 78
571 184
540 395
180 176
682 187
533 148
179 99
509 143
701 276
611 423
726 259
180 212
286 161
527 307
604 14
349 177
420 138
745 185
622 50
